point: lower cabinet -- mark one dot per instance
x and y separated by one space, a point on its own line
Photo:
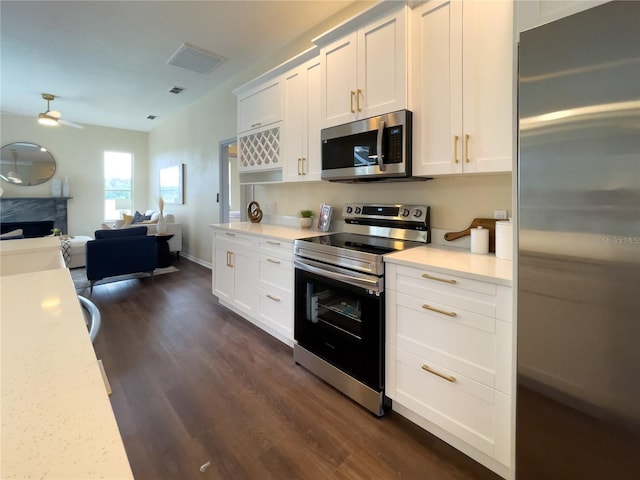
235 269
253 276
448 359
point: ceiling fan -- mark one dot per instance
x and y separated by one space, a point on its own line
52 117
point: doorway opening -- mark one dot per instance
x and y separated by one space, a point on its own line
233 197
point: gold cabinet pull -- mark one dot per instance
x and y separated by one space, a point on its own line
466 148
303 160
358 95
254 125
229 258
230 234
275 299
437 310
299 160
271 242
438 279
455 148
448 378
271 260
351 94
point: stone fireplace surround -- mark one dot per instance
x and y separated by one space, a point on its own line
17 210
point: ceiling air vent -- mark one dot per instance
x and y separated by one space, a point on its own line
195 59
176 90
151 117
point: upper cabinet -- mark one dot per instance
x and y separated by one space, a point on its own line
302 122
260 106
364 73
463 77
533 13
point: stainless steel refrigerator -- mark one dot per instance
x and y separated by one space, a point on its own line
578 282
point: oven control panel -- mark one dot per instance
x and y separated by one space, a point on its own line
408 213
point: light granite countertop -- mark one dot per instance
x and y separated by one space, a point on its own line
456 261
57 421
269 231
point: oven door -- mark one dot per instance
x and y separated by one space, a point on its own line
341 320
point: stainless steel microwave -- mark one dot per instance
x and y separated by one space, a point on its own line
375 148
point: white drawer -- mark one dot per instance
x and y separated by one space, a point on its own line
228 239
465 343
275 271
463 407
448 289
275 309
279 248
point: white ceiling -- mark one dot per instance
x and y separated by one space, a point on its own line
106 60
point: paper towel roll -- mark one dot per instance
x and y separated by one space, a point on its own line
479 240
504 240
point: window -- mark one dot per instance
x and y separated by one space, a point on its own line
118 184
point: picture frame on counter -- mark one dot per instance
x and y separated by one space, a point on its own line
324 218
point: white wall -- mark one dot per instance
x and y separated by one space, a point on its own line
79 156
454 201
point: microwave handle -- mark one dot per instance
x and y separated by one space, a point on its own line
381 164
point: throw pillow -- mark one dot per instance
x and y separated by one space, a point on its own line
137 218
127 218
106 226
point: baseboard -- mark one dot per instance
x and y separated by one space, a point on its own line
197 260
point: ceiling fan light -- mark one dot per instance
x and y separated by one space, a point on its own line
44 119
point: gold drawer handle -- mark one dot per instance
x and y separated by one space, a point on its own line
257 124
455 148
230 234
229 259
271 260
445 280
437 310
270 242
275 299
448 378
351 95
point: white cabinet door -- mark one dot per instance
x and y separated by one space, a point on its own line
261 106
223 275
463 87
235 270
533 13
365 73
382 66
302 122
339 80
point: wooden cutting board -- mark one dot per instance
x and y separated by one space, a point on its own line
488 223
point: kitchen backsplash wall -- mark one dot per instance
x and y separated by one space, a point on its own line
454 201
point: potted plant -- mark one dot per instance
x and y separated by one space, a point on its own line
306 218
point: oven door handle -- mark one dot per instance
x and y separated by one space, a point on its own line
369 284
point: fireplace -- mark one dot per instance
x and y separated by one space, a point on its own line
34 210
29 229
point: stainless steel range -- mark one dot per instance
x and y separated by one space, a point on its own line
339 297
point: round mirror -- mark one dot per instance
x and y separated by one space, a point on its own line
26 164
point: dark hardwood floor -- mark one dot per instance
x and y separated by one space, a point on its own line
195 383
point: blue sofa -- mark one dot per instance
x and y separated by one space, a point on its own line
120 252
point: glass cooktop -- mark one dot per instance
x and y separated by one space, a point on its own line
363 243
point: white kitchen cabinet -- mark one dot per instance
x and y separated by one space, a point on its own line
235 270
275 288
253 276
260 106
533 13
448 359
302 122
364 73
463 72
